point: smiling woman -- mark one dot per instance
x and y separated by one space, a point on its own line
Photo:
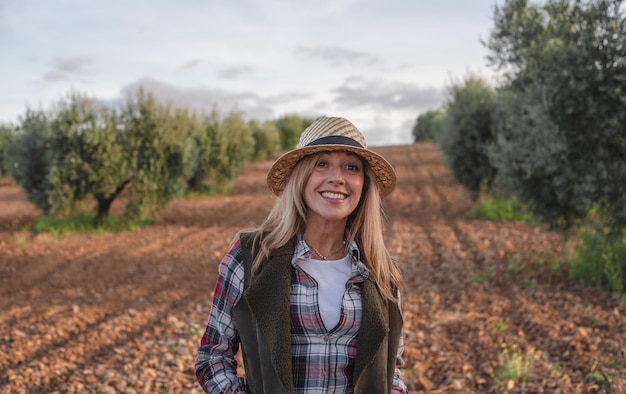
332 192
312 295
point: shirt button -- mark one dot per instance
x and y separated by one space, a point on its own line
323 374
325 339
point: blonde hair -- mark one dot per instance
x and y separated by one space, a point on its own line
366 225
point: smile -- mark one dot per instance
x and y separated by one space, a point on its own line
334 196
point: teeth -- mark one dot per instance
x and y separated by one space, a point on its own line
335 196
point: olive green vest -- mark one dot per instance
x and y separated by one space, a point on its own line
263 320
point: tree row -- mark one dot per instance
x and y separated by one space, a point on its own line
146 150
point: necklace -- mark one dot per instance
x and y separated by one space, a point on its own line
343 245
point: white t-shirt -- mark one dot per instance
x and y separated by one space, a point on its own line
331 277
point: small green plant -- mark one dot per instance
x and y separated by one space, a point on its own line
481 277
502 209
601 261
537 261
501 327
557 266
22 242
83 222
514 364
514 266
601 378
195 331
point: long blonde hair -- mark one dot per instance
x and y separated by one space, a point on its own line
366 225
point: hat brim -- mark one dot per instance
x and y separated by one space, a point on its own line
280 172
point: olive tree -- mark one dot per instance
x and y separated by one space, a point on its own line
27 156
87 158
562 150
290 127
429 126
156 152
224 146
467 133
266 139
7 132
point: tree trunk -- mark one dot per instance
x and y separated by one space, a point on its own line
104 203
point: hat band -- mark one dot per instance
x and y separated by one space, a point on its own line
335 140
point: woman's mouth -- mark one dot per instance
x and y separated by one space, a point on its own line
333 196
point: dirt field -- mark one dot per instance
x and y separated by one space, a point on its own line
123 313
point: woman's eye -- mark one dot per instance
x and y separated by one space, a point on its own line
321 163
353 167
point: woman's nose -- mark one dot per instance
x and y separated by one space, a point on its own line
336 175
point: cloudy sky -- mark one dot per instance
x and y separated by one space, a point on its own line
378 63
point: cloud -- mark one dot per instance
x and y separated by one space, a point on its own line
288 97
193 63
233 73
67 67
389 95
54 76
335 56
202 99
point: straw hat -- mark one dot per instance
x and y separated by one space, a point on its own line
331 134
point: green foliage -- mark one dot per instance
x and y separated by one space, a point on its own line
514 267
147 150
561 139
196 331
601 378
83 150
480 277
87 157
266 139
157 150
514 364
224 146
290 127
601 261
501 327
7 133
28 159
502 209
429 126
236 145
187 126
468 132
84 222
200 165
531 157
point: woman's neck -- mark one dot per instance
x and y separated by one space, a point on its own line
325 239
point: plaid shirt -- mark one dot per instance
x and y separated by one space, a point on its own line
322 360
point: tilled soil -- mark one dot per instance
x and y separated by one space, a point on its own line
123 313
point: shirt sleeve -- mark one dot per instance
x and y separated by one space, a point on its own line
398 386
215 366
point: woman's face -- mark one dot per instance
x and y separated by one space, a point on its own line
334 187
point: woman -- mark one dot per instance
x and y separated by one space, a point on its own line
312 294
